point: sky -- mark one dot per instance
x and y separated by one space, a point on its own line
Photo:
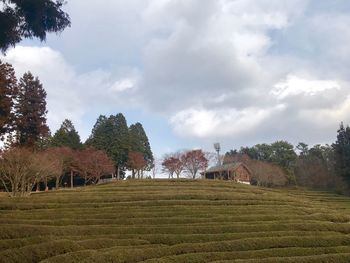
195 72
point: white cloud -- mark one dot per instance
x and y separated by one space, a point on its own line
294 85
123 85
70 94
225 122
243 70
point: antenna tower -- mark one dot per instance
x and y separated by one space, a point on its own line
217 148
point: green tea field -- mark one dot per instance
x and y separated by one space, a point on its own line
175 221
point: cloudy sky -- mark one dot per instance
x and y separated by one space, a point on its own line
194 72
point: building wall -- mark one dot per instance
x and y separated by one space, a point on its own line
242 174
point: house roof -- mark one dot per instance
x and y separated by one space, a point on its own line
226 167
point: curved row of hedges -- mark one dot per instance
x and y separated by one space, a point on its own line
169 221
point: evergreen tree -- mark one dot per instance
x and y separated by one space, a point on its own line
112 136
28 19
99 135
139 143
120 143
283 154
67 136
8 88
45 142
342 153
30 111
303 149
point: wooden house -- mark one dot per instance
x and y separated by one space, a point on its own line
237 172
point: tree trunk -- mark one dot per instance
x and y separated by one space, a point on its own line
118 173
3 182
13 191
57 183
46 187
71 179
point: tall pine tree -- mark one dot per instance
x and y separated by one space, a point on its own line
30 110
97 138
120 142
139 143
112 136
342 153
67 136
8 89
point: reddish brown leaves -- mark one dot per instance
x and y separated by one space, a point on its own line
136 162
93 164
191 161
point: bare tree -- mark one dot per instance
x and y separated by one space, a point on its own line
155 168
61 159
21 170
267 174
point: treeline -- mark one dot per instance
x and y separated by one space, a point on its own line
324 167
33 158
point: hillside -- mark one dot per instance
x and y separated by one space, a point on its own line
169 221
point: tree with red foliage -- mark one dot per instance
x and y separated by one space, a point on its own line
93 164
8 89
63 157
168 166
178 164
136 162
71 163
194 161
173 164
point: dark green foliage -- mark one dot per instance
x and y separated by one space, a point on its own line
283 154
30 111
280 152
121 141
30 18
175 221
67 136
342 153
139 142
44 142
101 134
113 136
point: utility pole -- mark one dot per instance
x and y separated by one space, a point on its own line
217 148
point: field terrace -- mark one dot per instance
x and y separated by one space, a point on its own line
175 221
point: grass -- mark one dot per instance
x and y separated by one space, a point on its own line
175 221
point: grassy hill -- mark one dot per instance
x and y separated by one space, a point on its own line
169 221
